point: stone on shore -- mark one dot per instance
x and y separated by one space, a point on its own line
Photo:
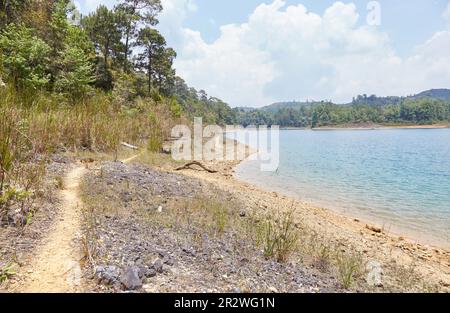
130 278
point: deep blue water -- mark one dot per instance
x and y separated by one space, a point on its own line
399 178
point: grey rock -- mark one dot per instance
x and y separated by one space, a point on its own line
158 266
166 258
106 275
130 278
126 196
16 218
189 251
60 159
163 254
151 272
169 261
142 271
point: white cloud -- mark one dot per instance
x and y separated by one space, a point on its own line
77 5
286 52
191 6
446 13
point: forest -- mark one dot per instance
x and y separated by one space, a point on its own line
47 46
363 110
86 84
50 53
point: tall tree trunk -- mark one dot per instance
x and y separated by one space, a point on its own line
105 53
125 64
7 12
149 72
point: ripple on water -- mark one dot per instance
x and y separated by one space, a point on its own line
395 177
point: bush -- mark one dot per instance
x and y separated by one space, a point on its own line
76 74
349 267
175 108
21 169
32 125
24 57
279 236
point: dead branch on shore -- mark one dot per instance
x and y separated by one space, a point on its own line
129 146
189 166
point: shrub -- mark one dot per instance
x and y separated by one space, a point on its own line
20 168
76 73
349 267
25 57
6 272
279 236
175 108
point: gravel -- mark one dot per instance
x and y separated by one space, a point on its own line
158 257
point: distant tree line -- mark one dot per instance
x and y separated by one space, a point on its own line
405 111
48 45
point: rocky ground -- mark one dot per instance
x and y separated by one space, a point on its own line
404 264
152 231
147 228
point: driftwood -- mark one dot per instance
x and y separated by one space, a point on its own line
129 146
188 166
374 229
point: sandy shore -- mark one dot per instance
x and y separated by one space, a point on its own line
390 251
381 127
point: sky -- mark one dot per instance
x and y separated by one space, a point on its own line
256 52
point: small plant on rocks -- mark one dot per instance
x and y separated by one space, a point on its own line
6 272
279 236
349 268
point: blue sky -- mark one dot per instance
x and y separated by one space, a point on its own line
407 22
274 50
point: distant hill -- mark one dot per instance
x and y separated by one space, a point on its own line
274 107
440 94
244 109
425 108
373 100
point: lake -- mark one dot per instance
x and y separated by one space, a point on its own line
397 178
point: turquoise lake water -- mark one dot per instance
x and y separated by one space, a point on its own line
398 178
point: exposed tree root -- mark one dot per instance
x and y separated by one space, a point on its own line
189 166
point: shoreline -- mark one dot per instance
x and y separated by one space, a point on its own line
387 226
432 261
369 127
383 127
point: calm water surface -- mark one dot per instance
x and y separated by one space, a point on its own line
398 178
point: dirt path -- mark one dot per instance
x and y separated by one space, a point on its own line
55 266
126 161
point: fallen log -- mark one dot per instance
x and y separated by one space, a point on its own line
129 146
188 166
374 229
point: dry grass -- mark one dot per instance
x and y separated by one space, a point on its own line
195 215
157 160
33 127
350 268
406 278
89 238
278 235
6 272
59 182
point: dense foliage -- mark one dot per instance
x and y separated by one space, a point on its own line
363 110
46 45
